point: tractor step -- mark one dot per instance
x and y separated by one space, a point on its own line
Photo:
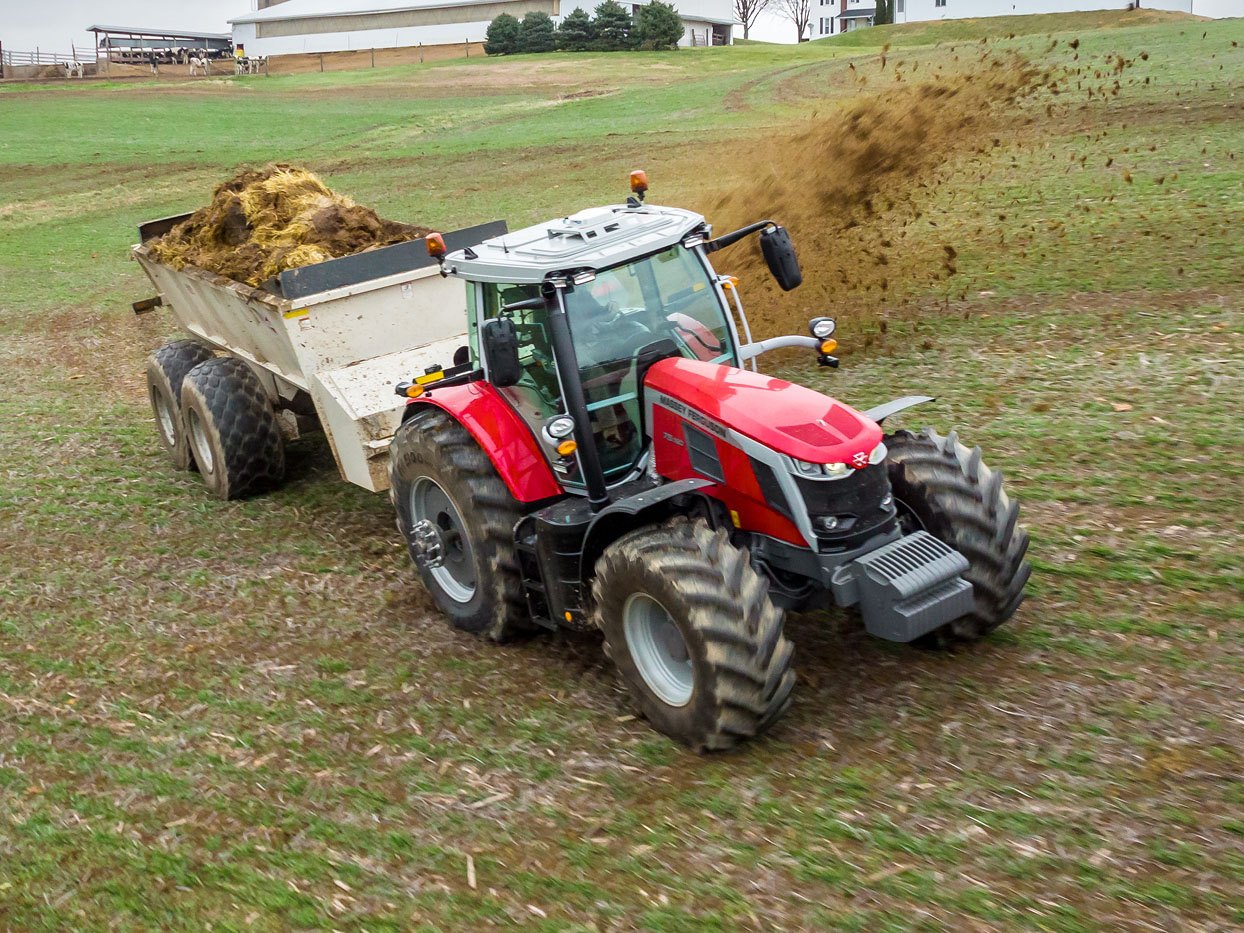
912 586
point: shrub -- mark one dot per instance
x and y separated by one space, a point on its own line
503 35
577 33
658 26
614 27
537 33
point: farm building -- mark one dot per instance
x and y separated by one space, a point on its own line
136 44
832 17
292 27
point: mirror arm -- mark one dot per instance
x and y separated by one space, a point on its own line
729 239
753 350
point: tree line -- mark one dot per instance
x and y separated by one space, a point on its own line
656 25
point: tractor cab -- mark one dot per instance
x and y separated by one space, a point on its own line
633 285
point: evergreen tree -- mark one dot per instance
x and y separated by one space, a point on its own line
885 13
658 26
614 27
503 33
537 33
576 33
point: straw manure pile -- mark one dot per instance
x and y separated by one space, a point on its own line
262 223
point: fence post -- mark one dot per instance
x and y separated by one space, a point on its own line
420 53
468 48
321 62
373 58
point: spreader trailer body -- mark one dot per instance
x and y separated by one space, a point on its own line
324 343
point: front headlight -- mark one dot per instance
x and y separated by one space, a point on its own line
806 468
820 469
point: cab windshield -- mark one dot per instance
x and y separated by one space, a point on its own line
661 299
666 301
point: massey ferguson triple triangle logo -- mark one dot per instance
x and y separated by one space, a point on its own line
860 460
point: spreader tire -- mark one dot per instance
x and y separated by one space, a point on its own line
166 368
944 488
441 475
231 428
694 634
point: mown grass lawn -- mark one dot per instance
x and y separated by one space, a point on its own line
247 714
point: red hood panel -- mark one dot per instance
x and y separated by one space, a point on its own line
791 419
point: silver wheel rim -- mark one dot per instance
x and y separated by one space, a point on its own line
456 574
164 417
198 439
658 649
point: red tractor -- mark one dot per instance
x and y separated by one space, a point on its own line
601 456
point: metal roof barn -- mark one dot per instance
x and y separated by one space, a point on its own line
309 26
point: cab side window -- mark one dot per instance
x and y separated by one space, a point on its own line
537 396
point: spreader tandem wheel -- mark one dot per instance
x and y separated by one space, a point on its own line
945 489
166 368
694 634
233 432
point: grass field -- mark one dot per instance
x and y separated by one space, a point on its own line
247 715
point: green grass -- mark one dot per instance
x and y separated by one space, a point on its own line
248 714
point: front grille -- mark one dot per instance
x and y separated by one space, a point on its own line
855 500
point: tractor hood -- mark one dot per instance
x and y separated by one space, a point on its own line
785 417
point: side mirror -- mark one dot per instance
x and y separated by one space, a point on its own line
500 343
779 255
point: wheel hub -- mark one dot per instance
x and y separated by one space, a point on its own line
440 542
429 546
658 649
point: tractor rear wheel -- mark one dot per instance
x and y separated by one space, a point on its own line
458 518
694 634
166 368
943 488
231 428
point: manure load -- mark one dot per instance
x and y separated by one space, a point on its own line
325 304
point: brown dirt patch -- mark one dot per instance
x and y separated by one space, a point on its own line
260 224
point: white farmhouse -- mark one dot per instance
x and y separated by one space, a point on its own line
831 17
300 26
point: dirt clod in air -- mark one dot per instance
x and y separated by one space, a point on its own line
262 223
852 189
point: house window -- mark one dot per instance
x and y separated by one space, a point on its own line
902 6
939 2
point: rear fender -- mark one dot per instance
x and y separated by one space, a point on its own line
502 435
685 497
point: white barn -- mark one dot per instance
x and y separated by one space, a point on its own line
300 26
832 17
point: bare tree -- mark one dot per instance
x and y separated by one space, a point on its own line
747 11
798 12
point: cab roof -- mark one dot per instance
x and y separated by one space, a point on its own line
596 238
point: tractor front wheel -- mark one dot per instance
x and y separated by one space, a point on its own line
458 518
945 489
694 634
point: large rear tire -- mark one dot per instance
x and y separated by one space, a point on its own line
166 368
231 428
694 634
944 488
451 502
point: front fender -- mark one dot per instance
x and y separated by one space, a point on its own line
502 435
881 412
623 515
